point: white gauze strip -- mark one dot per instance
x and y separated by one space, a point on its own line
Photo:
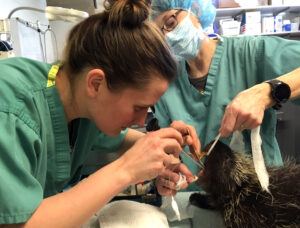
182 180
258 159
175 208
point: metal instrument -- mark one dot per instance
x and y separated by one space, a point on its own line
198 157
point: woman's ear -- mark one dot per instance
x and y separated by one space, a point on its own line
94 80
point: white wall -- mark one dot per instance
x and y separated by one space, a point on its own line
8 5
61 30
25 41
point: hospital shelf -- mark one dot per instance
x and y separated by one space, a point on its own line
290 33
232 12
223 13
297 33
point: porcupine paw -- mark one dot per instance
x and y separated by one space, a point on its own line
202 201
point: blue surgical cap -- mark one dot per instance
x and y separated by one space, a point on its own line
203 9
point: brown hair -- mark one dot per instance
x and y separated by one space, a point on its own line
123 43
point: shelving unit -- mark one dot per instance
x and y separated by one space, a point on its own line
292 33
267 9
226 12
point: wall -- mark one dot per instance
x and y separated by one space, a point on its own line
7 6
25 41
62 28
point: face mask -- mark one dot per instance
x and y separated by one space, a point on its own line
185 40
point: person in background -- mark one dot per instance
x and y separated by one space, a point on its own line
116 65
221 83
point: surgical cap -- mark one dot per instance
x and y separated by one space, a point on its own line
203 9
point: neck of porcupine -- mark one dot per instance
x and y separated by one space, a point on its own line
247 179
243 176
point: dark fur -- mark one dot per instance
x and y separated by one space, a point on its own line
233 188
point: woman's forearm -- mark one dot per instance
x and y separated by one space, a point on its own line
75 206
264 89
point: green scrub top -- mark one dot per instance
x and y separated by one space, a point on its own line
238 64
36 160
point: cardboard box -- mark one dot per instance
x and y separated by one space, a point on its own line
4 25
251 3
251 29
250 17
227 4
278 23
251 23
229 27
291 2
262 2
267 24
239 3
275 2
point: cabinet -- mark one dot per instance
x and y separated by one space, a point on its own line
288 131
291 12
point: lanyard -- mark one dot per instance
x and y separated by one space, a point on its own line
52 75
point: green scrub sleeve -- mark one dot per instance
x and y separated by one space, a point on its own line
109 144
20 191
275 55
274 58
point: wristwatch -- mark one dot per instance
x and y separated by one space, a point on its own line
280 92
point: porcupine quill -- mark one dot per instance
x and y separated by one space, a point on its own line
233 188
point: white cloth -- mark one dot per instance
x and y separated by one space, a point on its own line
237 144
182 200
192 216
131 214
112 215
258 159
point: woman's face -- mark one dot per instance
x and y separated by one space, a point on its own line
168 20
116 111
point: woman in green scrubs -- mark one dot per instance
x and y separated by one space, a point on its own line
220 84
116 65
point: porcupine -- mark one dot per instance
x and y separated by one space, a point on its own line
232 186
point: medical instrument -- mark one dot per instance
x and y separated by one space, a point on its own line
192 148
193 160
200 156
213 145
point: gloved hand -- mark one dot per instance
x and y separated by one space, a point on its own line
167 183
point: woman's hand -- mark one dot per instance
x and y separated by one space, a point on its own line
166 182
151 154
246 110
190 137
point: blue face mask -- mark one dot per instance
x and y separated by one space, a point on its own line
185 40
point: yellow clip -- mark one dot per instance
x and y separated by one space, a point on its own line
52 75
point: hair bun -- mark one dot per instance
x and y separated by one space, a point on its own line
128 13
